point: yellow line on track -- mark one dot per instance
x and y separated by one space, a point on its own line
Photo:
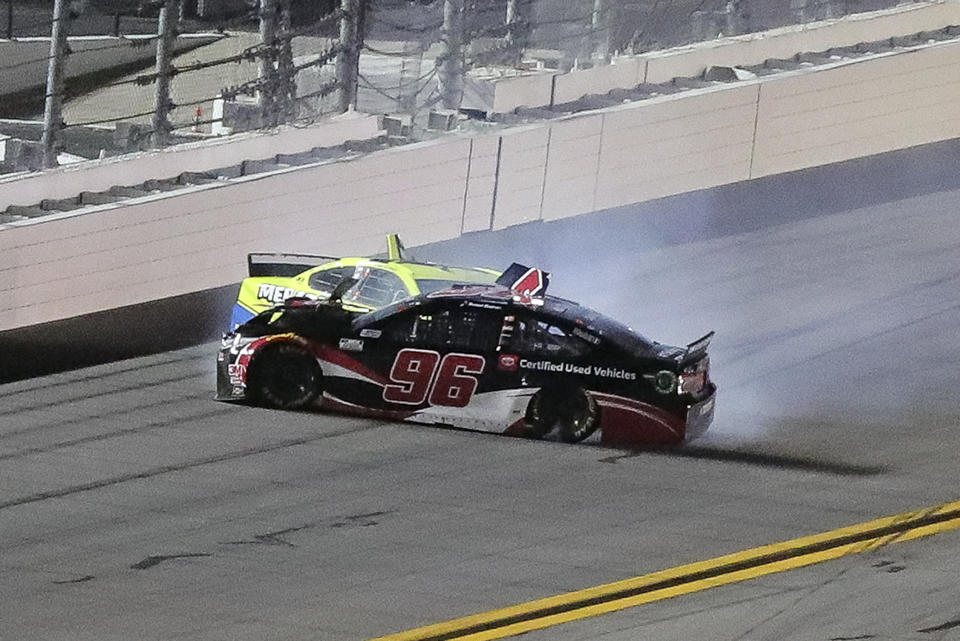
684 579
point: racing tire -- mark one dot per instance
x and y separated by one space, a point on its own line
573 410
285 376
579 416
541 415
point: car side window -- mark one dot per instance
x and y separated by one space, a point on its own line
462 328
544 337
376 288
327 279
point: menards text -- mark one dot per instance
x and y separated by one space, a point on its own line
277 295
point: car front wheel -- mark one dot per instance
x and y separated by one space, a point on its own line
284 376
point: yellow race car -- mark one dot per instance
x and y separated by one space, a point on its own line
275 277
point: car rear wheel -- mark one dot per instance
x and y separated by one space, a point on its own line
285 376
573 411
579 417
541 416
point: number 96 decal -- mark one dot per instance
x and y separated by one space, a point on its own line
418 375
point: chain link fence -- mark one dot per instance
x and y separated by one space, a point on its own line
404 58
404 41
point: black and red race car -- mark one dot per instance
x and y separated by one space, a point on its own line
484 357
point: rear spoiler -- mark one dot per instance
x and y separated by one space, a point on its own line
283 264
395 249
699 346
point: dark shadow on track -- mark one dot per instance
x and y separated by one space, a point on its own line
116 334
755 458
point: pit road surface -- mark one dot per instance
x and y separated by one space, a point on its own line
134 507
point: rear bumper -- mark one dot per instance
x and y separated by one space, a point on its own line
700 415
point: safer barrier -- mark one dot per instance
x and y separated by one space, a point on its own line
197 238
859 109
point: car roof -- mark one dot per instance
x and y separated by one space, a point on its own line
500 296
443 272
412 269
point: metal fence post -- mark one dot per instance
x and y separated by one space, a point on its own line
287 90
451 55
52 116
517 31
268 71
348 56
600 26
162 103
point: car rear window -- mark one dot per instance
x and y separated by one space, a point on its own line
429 285
326 280
377 288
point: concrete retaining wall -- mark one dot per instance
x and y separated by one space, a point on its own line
673 146
195 239
622 73
858 110
752 49
130 169
505 95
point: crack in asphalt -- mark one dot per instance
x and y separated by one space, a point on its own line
273 538
178 467
949 625
157 559
82 579
276 537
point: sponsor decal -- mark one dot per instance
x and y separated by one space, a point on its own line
237 391
508 362
664 381
587 336
351 344
583 370
531 283
370 333
412 380
276 295
237 373
482 305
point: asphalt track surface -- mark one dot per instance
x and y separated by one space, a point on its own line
134 507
